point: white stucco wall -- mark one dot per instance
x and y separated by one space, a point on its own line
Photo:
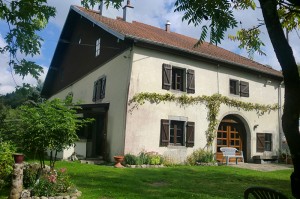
117 80
143 123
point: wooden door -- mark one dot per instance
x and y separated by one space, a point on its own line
228 136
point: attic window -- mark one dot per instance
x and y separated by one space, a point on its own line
98 47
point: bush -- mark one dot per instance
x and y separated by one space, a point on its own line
52 183
6 163
152 158
200 156
30 175
130 159
155 158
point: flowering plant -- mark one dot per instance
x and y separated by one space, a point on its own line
52 183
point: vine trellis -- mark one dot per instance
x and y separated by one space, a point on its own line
212 103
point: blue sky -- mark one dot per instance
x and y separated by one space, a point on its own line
154 12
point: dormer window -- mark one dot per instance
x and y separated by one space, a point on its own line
98 47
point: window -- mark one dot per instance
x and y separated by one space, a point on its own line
177 133
99 89
97 47
237 87
178 79
263 142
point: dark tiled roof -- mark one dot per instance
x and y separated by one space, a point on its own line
160 37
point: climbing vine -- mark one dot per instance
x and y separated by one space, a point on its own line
212 103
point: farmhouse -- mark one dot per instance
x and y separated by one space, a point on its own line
151 89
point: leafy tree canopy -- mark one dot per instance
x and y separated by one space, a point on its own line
23 94
24 19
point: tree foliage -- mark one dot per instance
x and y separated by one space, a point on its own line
24 19
23 94
50 125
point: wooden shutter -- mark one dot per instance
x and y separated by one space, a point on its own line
190 134
98 90
94 91
244 89
164 132
190 81
260 142
102 91
166 76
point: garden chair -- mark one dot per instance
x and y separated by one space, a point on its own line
263 193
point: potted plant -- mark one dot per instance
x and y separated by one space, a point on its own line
119 159
18 158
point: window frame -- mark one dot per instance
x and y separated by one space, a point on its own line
178 85
188 133
237 87
187 83
264 142
97 47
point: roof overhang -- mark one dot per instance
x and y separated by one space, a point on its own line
198 56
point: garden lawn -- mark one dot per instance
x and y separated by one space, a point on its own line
103 182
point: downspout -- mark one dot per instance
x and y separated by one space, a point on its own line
280 115
130 61
218 86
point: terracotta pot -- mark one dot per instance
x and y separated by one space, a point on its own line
119 159
18 157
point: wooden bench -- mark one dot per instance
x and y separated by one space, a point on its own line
230 152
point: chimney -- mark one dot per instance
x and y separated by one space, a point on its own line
127 12
168 24
101 8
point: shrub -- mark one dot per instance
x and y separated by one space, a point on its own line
144 157
130 159
200 156
6 162
30 175
155 158
53 183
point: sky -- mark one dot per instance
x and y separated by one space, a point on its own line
154 12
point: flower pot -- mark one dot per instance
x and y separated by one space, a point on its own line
18 157
119 159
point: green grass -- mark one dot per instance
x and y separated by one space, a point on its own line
103 182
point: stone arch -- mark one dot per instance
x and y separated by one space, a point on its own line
233 130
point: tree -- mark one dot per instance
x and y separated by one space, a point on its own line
24 19
23 94
49 125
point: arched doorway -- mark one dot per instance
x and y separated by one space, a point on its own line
231 133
